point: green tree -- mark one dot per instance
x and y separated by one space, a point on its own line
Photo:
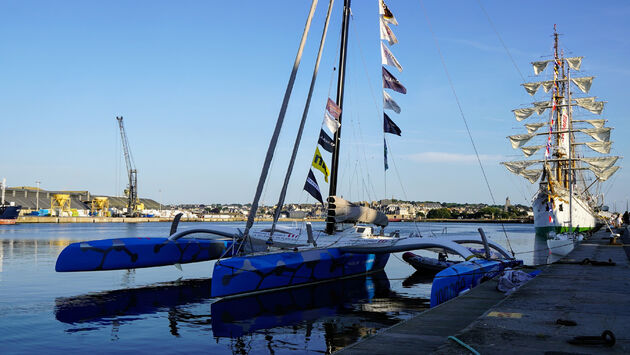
439 213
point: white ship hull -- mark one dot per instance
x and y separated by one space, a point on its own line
556 218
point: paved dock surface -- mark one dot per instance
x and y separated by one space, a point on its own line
597 298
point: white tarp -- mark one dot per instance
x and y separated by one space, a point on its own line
574 62
518 140
522 113
531 88
511 280
533 127
599 134
541 106
517 166
584 83
600 147
605 174
539 67
530 150
601 163
531 175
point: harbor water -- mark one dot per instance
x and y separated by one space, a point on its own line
170 310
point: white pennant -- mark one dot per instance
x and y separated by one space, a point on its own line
387 58
389 103
387 33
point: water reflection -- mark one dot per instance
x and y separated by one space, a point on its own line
344 310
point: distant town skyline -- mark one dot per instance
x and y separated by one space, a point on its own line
200 85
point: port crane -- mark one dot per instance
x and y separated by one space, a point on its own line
131 192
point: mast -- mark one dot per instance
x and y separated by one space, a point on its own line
330 220
571 153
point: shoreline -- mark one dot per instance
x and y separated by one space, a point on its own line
35 219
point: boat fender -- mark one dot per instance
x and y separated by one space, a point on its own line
607 339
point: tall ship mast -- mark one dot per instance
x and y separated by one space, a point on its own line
573 152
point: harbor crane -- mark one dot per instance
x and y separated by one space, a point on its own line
132 188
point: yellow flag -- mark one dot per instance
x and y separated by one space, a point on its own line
319 164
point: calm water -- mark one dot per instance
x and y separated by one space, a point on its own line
171 311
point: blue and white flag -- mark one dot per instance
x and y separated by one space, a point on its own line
312 187
385 154
390 82
389 126
389 103
326 142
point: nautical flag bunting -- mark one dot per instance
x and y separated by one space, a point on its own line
389 103
326 142
390 82
331 122
387 33
312 187
387 58
333 109
319 164
389 126
387 15
385 154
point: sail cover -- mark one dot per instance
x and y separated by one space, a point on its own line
539 67
533 127
516 167
599 134
574 62
348 212
601 163
603 175
530 150
600 147
522 113
584 83
531 88
531 174
518 140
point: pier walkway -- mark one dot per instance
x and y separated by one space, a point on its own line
596 298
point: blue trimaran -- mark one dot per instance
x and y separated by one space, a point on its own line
278 257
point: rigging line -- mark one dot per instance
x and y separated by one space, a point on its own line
461 111
415 223
501 40
274 139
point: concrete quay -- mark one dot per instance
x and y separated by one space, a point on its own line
594 297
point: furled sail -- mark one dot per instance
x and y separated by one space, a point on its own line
531 175
574 62
603 175
531 88
518 140
594 123
547 85
601 162
600 147
540 66
531 150
522 113
599 134
517 166
590 104
583 83
349 212
533 127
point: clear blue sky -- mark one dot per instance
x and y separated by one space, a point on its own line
200 85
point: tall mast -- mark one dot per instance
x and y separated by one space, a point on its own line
571 153
330 220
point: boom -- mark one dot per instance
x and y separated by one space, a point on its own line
132 173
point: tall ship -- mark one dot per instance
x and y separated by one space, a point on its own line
570 158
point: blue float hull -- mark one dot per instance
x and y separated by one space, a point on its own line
133 253
258 273
449 282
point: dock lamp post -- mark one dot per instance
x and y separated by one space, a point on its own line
37 195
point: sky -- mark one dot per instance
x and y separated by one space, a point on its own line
200 85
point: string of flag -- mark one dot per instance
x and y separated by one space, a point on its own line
389 80
331 121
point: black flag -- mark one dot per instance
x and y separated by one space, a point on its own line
312 188
389 126
326 142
